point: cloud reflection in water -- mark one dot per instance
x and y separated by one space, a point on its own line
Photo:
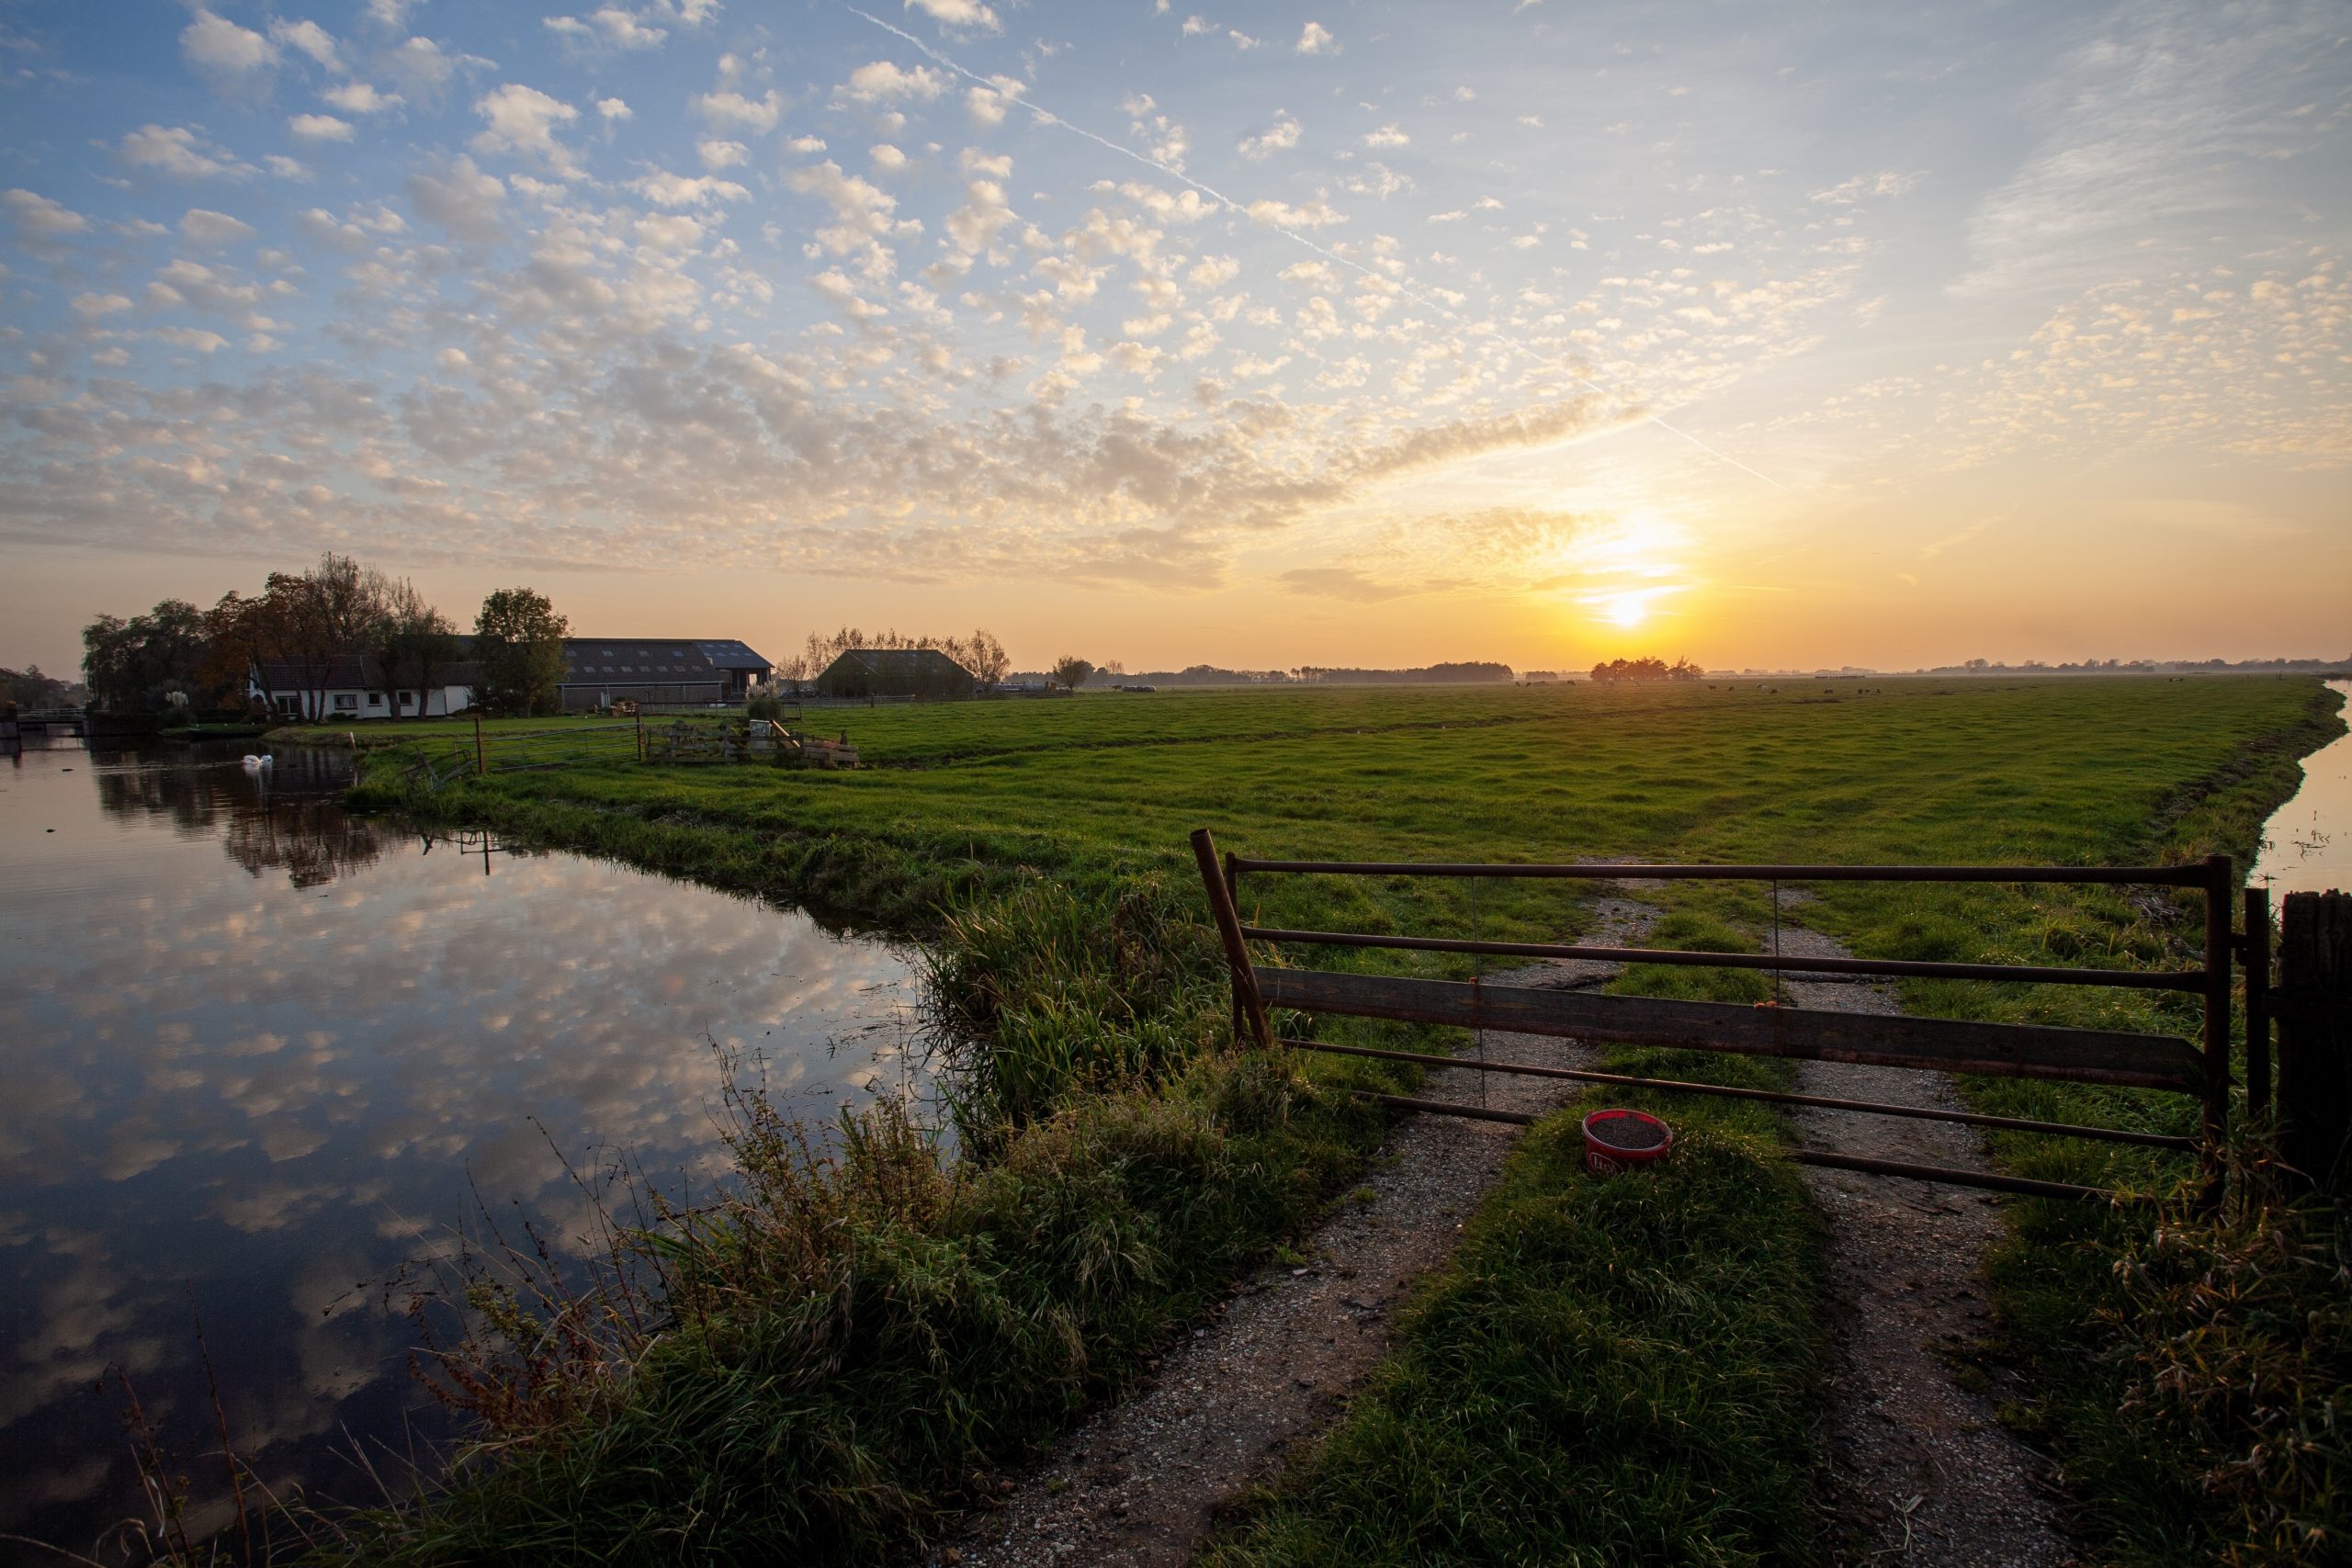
259 1076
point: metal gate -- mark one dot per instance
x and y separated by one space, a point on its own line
2169 1062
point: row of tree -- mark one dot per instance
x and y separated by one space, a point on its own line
341 623
1647 670
28 688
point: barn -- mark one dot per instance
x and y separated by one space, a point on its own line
924 674
600 672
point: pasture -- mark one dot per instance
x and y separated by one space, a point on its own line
1021 837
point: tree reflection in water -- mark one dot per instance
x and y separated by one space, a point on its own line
289 816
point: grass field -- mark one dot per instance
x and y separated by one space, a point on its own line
1042 846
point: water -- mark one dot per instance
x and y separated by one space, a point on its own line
2307 843
253 1052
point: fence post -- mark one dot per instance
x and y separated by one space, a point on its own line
2313 1006
2258 1001
2218 957
478 770
1229 929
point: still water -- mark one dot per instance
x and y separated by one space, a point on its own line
2307 843
253 1052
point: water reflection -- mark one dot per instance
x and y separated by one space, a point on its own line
244 1081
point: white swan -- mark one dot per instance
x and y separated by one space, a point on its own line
255 764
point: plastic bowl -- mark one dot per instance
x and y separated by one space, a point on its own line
1619 1140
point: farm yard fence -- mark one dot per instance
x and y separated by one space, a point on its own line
2122 1059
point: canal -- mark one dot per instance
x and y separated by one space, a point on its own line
2307 843
259 1054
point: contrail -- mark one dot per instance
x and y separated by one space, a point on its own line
1223 200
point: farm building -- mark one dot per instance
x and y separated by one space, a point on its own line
351 686
919 672
600 672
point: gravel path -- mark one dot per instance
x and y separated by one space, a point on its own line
1140 1483
1921 1474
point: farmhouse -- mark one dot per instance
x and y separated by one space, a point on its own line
600 672
351 686
917 672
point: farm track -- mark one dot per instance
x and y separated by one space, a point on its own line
1141 1484
1921 1474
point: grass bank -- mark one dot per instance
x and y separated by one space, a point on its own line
977 808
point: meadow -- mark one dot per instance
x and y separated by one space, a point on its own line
1124 1161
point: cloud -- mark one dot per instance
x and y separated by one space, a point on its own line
2172 126
666 189
209 228
231 57
361 97
90 307
39 222
193 338
177 152
716 153
307 38
1315 214
967 15
319 128
1344 582
883 82
1279 137
730 110
614 110
1861 187
1386 136
522 121
1316 39
609 27
462 199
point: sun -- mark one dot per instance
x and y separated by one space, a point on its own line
1626 610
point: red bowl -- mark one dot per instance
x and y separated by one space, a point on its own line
1605 1158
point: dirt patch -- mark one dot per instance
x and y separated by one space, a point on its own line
1921 1472
1141 1482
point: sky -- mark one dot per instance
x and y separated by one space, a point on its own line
1263 335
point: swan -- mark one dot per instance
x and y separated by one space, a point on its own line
255 764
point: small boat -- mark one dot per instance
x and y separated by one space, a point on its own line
255 764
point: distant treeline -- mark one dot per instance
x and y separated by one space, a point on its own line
1314 675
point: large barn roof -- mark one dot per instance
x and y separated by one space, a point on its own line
594 659
899 661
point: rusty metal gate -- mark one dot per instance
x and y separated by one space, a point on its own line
2198 1069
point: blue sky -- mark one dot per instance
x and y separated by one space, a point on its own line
1359 333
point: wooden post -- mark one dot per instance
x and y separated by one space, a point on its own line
2313 1006
480 772
1228 931
2258 1001
640 733
2217 958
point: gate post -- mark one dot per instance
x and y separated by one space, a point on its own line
2218 955
2313 1006
2256 953
1246 999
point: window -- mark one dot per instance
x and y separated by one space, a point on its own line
374 699
408 699
347 702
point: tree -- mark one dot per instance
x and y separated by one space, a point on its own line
32 689
135 664
408 640
983 656
1070 671
518 650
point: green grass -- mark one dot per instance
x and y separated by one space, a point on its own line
1012 832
